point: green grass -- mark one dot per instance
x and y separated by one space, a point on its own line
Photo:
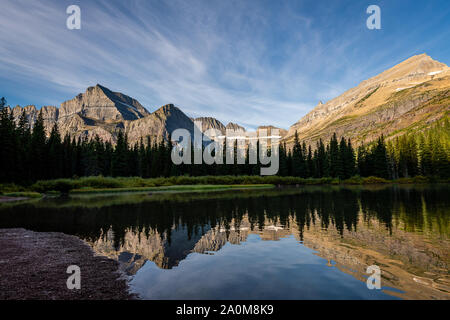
25 194
340 121
367 96
184 184
366 180
10 187
181 188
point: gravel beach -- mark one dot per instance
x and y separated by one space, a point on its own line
33 265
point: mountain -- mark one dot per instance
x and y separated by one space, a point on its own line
209 122
104 113
158 125
281 132
100 111
100 103
234 126
408 96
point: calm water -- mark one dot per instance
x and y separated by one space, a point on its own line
293 243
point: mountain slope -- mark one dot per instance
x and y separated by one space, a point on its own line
158 125
100 103
104 113
408 96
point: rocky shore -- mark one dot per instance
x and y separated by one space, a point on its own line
33 265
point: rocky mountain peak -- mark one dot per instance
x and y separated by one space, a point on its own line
100 103
167 108
381 104
104 113
235 127
414 67
210 122
269 129
169 111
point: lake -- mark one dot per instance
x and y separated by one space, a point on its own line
284 243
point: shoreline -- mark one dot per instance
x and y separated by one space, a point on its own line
176 189
12 199
33 266
99 184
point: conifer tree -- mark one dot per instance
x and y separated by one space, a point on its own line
380 160
283 169
335 164
310 163
38 144
119 166
349 161
7 145
54 154
297 158
342 157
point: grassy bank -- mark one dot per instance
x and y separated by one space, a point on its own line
174 188
184 183
25 194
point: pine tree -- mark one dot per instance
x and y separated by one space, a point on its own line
23 140
349 160
297 158
322 161
310 163
335 164
27 155
38 144
361 166
2 103
68 157
7 145
283 170
380 163
342 157
119 166
54 154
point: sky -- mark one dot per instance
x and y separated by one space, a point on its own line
253 62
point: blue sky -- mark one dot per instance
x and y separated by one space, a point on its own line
254 62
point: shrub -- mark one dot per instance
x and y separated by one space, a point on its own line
374 180
10 187
105 183
60 185
100 182
335 181
26 194
354 180
421 179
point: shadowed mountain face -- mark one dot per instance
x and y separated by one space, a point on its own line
100 103
102 112
408 96
158 125
213 123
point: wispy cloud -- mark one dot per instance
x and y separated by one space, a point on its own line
251 62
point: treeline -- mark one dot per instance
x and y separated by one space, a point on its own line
28 155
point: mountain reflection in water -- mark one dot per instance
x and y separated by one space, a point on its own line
292 243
